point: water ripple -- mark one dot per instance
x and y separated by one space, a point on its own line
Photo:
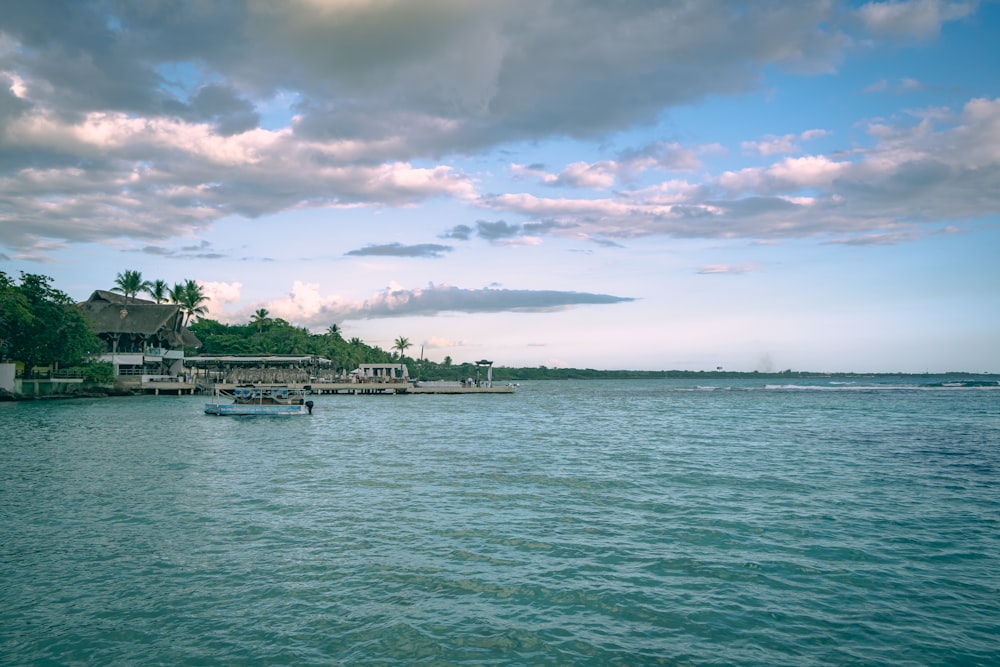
603 523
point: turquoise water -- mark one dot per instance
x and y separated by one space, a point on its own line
572 523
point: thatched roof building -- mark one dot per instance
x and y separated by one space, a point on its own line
136 325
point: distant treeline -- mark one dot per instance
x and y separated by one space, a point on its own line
506 374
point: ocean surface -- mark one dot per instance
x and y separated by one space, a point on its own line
640 522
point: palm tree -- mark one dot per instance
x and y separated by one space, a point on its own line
158 290
260 317
190 297
176 293
401 344
334 331
130 283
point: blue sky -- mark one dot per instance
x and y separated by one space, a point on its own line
757 186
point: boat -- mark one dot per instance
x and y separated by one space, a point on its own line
260 400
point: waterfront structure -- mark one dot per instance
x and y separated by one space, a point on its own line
223 373
257 368
145 340
381 374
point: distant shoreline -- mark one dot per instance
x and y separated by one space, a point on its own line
504 374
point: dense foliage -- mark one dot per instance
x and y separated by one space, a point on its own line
99 372
264 335
39 325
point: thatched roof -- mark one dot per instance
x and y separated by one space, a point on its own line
115 297
108 313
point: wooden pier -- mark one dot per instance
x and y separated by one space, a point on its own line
378 388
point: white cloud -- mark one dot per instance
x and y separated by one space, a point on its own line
105 148
166 113
921 19
945 166
220 295
903 86
439 342
728 269
879 86
305 304
584 175
788 143
17 86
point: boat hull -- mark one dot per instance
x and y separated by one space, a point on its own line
236 409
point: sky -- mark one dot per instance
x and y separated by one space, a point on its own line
654 185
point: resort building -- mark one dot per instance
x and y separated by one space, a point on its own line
145 340
381 373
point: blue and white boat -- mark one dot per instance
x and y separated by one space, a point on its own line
260 400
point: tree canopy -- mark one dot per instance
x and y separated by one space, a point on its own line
191 298
266 335
39 325
130 283
158 290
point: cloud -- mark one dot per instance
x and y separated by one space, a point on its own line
434 299
500 232
305 306
219 294
400 250
888 238
222 106
920 19
576 175
146 121
936 164
493 231
587 175
726 269
605 173
664 156
879 86
201 251
460 232
903 86
790 174
788 143
438 342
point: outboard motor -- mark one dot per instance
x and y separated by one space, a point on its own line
309 406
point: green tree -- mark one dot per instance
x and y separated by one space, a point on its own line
40 325
175 293
14 312
99 372
130 283
191 298
283 338
402 344
260 318
159 291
